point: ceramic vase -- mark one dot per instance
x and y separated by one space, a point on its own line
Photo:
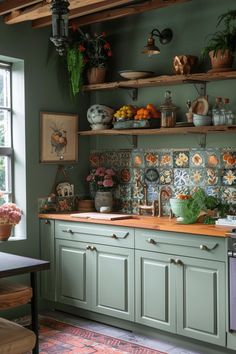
221 61
96 75
5 232
103 199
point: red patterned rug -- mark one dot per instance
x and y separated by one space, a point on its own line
59 337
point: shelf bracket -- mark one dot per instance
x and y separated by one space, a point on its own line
133 92
200 86
202 141
134 141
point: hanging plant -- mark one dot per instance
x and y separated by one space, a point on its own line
75 65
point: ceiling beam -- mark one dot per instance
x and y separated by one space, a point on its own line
43 9
13 5
108 15
85 10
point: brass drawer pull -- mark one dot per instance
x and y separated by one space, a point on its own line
88 247
68 231
171 260
47 222
114 236
205 248
93 248
150 240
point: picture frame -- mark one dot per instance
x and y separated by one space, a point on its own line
58 137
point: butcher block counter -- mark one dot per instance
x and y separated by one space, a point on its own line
151 223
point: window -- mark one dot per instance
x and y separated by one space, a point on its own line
6 150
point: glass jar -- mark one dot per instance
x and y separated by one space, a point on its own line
168 112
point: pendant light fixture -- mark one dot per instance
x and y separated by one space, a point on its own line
60 10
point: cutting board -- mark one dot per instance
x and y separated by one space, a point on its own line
101 216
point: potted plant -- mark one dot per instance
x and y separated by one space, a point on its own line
222 44
87 53
10 215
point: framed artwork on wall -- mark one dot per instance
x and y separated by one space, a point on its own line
58 137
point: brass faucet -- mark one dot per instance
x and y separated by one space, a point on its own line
145 206
166 192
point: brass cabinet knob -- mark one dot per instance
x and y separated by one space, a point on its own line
152 241
178 262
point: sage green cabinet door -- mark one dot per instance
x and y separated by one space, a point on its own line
201 299
113 292
73 273
155 290
47 253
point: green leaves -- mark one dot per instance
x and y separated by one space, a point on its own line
75 66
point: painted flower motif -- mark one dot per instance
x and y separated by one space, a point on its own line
229 195
197 160
212 177
181 160
229 159
212 160
151 159
165 176
181 177
137 160
197 176
229 178
125 175
165 160
94 160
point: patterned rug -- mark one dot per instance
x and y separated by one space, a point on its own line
59 337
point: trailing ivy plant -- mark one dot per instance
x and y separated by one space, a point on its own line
75 66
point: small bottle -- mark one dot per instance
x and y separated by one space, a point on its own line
217 111
229 116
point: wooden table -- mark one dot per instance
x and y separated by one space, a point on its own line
10 265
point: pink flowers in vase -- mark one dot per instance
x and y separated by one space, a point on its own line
103 179
10 214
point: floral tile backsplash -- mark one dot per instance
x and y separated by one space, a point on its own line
175 170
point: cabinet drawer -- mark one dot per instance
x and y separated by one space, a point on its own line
206 247
94 233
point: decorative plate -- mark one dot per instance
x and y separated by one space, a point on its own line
133 75
200 106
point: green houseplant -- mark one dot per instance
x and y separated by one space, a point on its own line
222 44
85 51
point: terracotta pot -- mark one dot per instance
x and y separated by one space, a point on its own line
96 75
5 232
221 62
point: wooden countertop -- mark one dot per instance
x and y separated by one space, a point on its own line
150 222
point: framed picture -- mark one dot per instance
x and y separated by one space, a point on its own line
59 137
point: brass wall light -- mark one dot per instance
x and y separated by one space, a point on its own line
164 36
60 16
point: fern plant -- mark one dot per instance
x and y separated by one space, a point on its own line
75 66
226 38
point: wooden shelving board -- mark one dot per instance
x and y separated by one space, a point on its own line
163 131
164 80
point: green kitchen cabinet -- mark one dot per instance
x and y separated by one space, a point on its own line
73 274
47 253
94 276
180 284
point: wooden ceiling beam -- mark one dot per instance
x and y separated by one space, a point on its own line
85 10
43 9
13 5
108 15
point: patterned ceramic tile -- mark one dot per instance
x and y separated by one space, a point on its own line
151 159
124 191
137 192
127 206
181 177
151 175
137 159
181 190
153 192
228 158
229 177
181 158
125 175
94 159
124 157
137 176
197 158
212 190
166 176
228 194
212 176
197 176
213 158
166 158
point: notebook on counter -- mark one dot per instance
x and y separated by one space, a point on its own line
101 216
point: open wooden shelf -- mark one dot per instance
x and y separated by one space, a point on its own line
163 80
163 131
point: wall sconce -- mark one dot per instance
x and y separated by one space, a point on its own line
60 12
164 36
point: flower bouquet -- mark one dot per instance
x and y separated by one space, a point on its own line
10 215
102 179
